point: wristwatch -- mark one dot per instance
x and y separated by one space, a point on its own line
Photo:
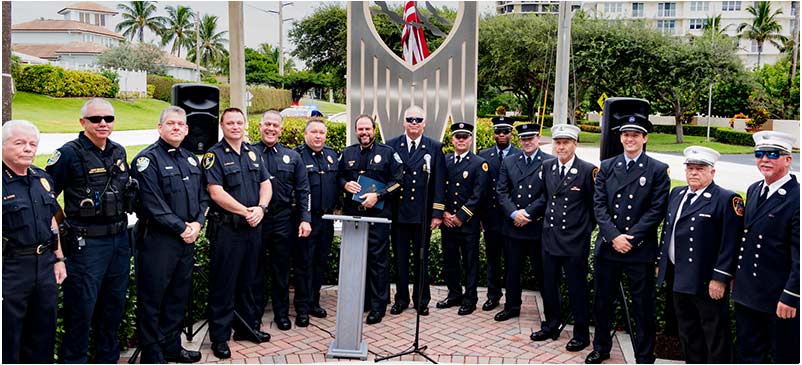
264 207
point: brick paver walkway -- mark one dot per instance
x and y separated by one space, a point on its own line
450 338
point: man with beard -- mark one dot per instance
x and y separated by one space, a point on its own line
378 162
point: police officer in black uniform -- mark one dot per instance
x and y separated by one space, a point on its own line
33 264
92 171
290 187
567 225
630 200
172 210
698 248
410 213
491 214
379 162
239 188
766 290
519 187
320 161
466 186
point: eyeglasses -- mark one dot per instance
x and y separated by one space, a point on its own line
414 120
462 135
502 131
772 155
95 119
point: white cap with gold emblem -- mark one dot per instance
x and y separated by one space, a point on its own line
773 140
698 155
565 131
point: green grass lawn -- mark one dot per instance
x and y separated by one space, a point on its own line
324 106
668 143
60 115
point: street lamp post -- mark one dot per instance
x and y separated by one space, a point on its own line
280 13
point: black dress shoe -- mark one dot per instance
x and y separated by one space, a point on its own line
575 345
544 335
221 350
184 356
507 314
302 320
318 312
449 302
374 317
398 308
490 304
595 357
424 311
466 309
283 323
247 336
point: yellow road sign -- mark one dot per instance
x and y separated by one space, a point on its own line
601 100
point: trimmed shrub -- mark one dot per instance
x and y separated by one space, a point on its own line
292 134
730 136
163 86
56 81
590 128
263 98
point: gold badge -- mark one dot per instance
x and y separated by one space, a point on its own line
121 165
465 174
595 171
45 184
252 155
377 159
330 159
286 159
738 206
208 160
485 167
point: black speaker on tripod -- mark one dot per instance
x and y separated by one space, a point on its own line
202 104
616 112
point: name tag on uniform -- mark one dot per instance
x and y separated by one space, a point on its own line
705 215
99 170
228 163
168 167
575 188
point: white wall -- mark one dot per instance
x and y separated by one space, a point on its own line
182 73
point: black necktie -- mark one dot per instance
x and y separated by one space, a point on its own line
500 157
687 203
412 147
459 158
630 164
763 195
562 172
528 160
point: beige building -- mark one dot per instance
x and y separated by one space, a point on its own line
676 17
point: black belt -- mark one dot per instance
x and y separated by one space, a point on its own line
232 219
99 230
36 249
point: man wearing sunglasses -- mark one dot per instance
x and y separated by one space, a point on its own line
410 213
466 186
92 171
519 187
766 288
697 258
491 213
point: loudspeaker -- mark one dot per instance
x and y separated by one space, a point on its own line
202 104
616 112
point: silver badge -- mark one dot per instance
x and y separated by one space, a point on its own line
574 171
781 191
192 161
707 195
553 167
642 181
377 159
619 164
286 159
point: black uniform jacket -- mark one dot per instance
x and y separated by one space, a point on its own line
466 187
519 187
491 213
413 185
568 220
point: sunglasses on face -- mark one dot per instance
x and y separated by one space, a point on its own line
98 118
462 135
503 131
772 155
414 120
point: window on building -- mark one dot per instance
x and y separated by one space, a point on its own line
794 8
666 9
85 18
730 6
102 20
696 24
637 10
508 9
700 5
753 46
666 26
613 7
529 8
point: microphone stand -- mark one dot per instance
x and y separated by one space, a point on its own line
416 348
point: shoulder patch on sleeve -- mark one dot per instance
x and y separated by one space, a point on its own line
668 171
142 163
208 160
485 167
595 171
54 158
397 157
738 205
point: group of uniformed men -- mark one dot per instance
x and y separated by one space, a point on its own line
266 200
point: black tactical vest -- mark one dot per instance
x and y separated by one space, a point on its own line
101 189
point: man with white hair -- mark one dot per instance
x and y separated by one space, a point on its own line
697 257
93 173
766 292
31 250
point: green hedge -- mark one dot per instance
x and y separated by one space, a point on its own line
263 98
162 86
56 81
292 134
729 136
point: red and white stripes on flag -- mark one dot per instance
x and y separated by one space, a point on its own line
412 40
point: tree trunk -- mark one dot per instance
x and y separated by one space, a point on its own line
759 51
678 129
6 61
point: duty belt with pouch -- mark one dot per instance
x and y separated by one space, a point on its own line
234 220
12 248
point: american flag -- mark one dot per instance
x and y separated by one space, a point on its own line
412 40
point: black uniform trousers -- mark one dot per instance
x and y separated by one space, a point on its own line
30 297
704 328
94 295
278 248
515 252
576 275
163 283
312 261
403 234
762 334
607 276
234 254
463 245
377 282
494 250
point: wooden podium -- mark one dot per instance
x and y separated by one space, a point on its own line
351 294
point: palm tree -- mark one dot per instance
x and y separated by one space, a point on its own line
137 17
272 52
212 42
764 27
714 22
178 22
